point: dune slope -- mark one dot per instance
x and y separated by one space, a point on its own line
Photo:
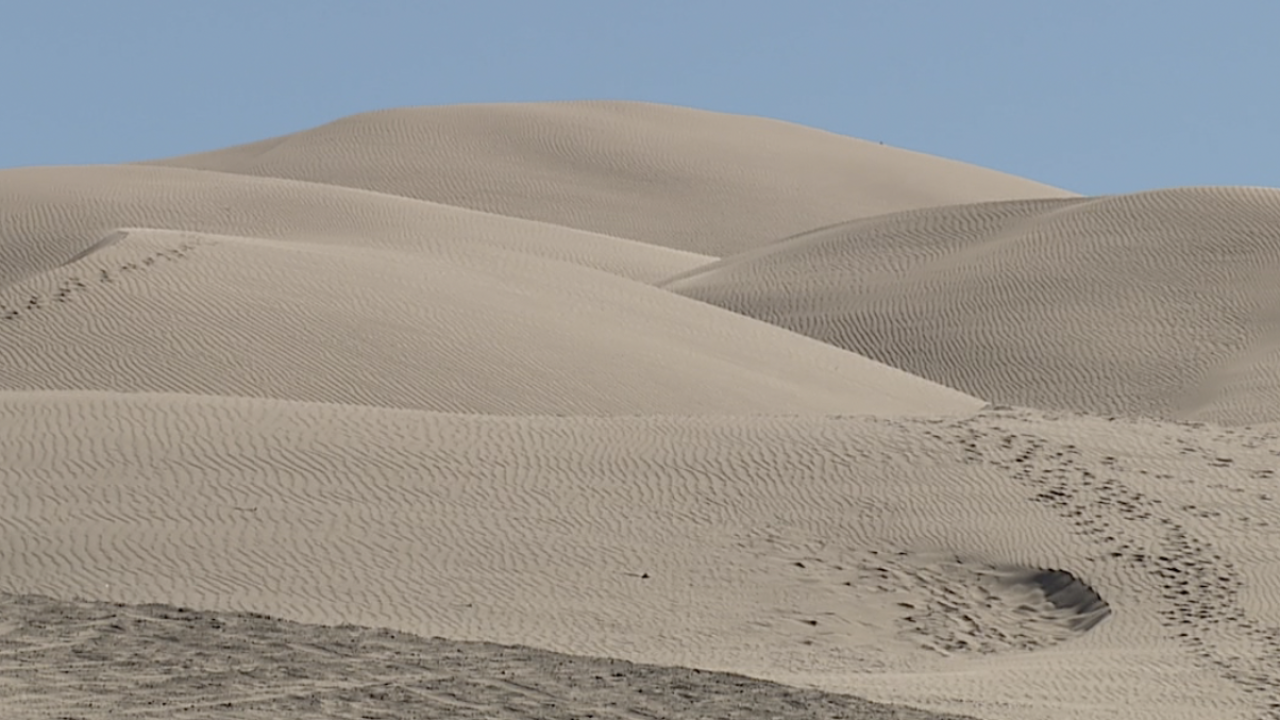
1014 564
689 179
238 666
54 215
1160 304
318 293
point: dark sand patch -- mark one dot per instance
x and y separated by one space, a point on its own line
95 660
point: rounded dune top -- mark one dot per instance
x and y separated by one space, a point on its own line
682 178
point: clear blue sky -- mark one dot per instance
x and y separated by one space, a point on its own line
1096 96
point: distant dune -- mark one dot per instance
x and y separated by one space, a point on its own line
674 177
646 395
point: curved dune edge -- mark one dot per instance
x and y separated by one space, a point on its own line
105 242
63 659
1157 304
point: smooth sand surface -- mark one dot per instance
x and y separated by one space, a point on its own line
558 377
671 176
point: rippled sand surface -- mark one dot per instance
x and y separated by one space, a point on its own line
623 410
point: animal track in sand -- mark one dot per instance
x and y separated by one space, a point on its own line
947 604
73 286
965 606
1200 588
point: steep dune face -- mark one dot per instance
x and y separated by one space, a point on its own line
1159 304
688 179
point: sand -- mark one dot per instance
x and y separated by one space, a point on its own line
669 176
634 411
269 668
1161 304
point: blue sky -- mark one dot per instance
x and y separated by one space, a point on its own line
1094 96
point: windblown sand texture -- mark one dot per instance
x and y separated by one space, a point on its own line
588 404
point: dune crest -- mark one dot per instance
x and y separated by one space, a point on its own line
676 177
895 559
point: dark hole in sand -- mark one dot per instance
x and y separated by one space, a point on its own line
1069 593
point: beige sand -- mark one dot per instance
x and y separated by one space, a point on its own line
675 177
466 329
475 394
1161 304
894 559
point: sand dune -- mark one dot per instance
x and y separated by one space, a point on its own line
1160 304
675 177
902 560
462 329
53 215
616 383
